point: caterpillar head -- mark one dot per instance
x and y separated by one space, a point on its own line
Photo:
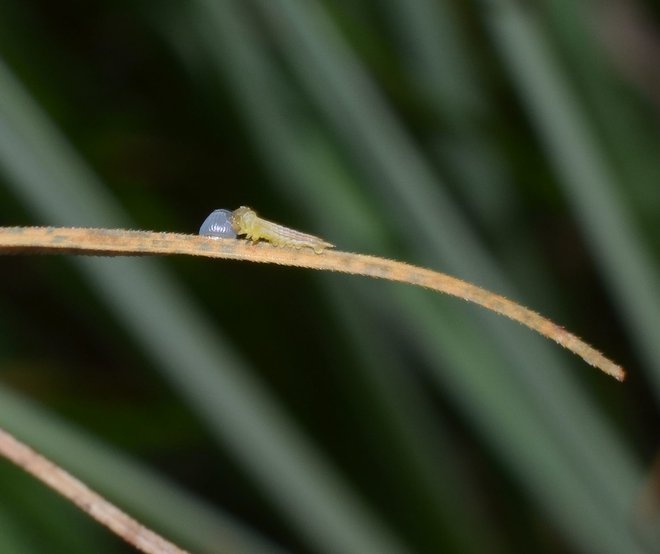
242 220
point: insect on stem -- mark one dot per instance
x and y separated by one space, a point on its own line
245 221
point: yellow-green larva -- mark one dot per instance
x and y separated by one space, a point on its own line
245 221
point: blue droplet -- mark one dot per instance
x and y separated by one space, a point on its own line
217 225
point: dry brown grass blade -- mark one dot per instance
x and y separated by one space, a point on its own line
87 500
120 242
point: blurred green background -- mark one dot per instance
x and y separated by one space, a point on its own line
252 409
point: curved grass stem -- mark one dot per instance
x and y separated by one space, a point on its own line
121 242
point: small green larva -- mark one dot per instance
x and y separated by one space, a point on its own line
245 221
